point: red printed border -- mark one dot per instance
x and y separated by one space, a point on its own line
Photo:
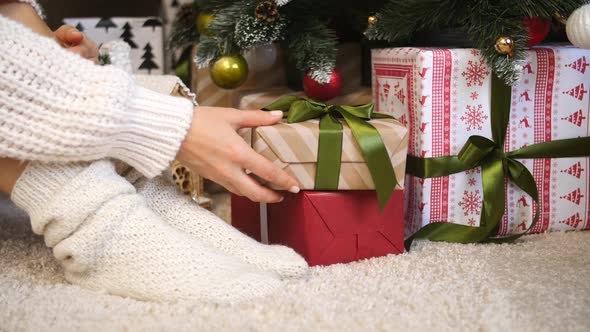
398 71
441 131
544 84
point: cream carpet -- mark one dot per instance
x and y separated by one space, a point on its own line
540 283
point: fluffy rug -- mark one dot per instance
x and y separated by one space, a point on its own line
540 283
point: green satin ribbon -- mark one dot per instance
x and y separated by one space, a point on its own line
299 109
496 165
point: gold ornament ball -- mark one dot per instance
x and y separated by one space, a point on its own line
505 46
203 20
229 71
372 20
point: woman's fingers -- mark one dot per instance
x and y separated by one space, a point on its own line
251 119
75 41
246 186
214 150
86 51
270 172
69 36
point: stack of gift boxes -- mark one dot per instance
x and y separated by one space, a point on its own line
440 98
325 226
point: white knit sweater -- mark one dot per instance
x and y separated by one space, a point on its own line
57 107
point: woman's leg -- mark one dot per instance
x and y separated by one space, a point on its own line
105 237
10 171
182 213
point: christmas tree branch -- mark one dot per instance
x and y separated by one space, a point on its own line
398 20
207 51
483 20
313 47
485 24
184 29
310 44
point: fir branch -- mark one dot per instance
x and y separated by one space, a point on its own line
211 6
487 22
184 29
398 20
312 46
207 51
543 8
222 39
483 20
249 32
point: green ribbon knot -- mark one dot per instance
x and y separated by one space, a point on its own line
496 165
299 109
476 150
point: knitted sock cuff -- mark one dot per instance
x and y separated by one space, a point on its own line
39 183
60 197
158 125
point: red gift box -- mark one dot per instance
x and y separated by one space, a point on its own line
328 227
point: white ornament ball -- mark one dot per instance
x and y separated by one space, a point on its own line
578 27
262 58
119 53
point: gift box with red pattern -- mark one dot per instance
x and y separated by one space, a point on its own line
444 97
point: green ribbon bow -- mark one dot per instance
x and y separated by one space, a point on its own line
496 165
299 109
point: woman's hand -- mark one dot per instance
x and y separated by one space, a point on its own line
67 36
75 41
214 150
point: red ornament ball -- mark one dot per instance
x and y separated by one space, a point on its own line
325 91
538 29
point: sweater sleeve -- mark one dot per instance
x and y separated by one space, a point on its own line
58 107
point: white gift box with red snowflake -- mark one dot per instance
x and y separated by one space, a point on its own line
443 96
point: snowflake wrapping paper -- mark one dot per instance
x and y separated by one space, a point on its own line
143 34
443 97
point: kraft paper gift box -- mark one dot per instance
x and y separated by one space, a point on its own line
326 227
294 148
444 97
144 35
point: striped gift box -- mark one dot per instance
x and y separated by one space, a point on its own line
294 148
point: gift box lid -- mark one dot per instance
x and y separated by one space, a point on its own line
298 142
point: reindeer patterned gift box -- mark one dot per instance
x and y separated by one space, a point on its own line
443 97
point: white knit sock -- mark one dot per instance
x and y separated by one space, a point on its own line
182 213
105 237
